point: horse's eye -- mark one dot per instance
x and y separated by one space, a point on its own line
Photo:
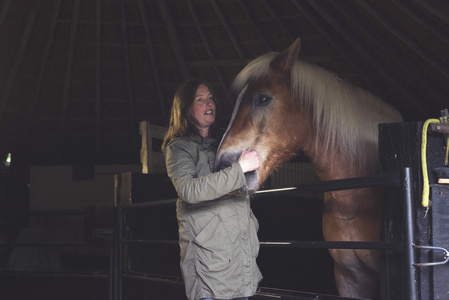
262 100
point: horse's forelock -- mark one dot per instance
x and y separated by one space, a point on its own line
256 68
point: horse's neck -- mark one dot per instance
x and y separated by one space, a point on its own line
332 167
333 164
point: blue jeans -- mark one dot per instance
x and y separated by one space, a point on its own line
225 299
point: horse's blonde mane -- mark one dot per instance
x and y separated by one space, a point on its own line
345 117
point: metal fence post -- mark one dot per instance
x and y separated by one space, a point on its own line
409 257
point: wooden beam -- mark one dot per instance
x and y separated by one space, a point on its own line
371 57
271 9
4 11
422 20
174 38
391 50
31 111
199 26
207 45
154 62
238 62
241 62
256 27
98 61
228 29
419 50
127 68
6 94
339 47
439 9
68 73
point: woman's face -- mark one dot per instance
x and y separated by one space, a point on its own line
203 109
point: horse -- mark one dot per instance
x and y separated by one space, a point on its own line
286 106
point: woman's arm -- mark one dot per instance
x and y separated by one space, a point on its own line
182 171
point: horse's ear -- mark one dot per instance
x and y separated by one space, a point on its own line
290 55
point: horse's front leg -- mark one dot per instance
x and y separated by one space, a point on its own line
356 271
353 278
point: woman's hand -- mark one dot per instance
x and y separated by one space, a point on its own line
249 160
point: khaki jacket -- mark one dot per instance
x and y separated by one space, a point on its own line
217 232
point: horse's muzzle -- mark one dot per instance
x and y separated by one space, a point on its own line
227 159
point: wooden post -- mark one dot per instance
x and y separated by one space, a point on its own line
150 155
145 154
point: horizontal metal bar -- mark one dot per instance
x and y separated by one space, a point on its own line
20 275
397 246
56 213
262 293
384 179
42 244
160 280
273 293
150 204
48 213
151 242
381 245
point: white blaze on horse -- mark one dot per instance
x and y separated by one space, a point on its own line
286 105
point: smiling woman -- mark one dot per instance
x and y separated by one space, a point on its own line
217 229
204 109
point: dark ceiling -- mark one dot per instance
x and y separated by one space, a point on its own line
77 76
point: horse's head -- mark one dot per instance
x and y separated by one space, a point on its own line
265 115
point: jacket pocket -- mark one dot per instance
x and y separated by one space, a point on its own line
213 252
254 240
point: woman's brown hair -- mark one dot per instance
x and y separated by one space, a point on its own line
181 121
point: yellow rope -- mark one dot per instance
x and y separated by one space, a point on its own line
425 189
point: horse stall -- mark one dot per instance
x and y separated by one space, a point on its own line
140 254
293 256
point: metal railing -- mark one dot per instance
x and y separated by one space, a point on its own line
402 180
60 274
117 274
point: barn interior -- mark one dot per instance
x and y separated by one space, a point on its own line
86 88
